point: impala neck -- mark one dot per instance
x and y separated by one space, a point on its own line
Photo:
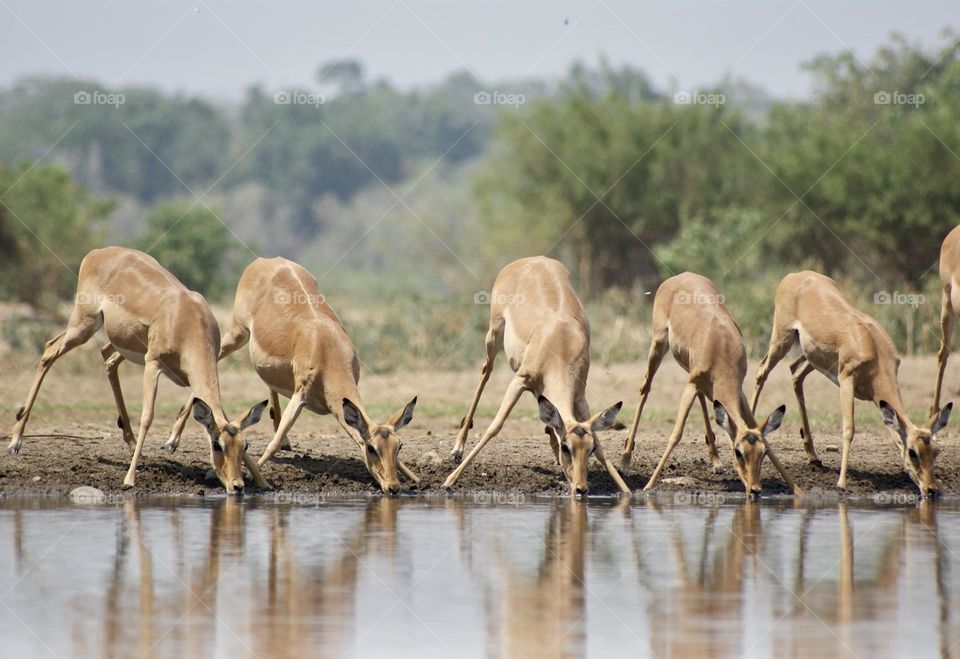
729 392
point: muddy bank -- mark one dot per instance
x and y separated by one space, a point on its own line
55 460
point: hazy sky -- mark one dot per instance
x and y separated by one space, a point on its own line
219 47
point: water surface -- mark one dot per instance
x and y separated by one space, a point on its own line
448 577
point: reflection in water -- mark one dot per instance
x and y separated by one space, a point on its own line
442 577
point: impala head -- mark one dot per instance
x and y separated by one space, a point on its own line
381 444
577 440
919 444
227 444
748 447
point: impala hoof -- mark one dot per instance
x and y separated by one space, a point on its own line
625 460
13 450
127 486
456 457
170 447
718 469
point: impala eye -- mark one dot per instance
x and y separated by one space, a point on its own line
216 446
739 454
913 454
565 448
371 450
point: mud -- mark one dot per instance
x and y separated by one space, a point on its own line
73 440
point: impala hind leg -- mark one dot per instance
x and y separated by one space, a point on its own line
84 323
711 438
946 333
492 343
276 415
686 402
800 369
658 348
112 360
174 442
510 398
151 377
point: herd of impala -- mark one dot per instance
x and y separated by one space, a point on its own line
300 349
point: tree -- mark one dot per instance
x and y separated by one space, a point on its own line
196 246
47 225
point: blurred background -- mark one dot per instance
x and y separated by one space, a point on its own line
405 151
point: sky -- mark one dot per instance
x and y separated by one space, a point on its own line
218 48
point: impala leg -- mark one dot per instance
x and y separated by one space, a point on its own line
780 344
846 409
276 415
407 472
612 470
796 489
800 370
151 377
179 425
711 438
83 324
514 391
492 343
658 348
686 402
254 470
290 414
112 360
946 329
582 410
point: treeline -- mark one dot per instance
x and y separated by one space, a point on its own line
419 197
859 183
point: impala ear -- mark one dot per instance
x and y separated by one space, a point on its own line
606 418
723 419
404 416
773 421
892 419
939 421
353 417
550 416
204 416
253 415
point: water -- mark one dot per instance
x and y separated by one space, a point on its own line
446 577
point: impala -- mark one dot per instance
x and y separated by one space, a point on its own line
691 320
536 317
301 350
151 319
812 316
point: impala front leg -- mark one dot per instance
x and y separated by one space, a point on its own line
846 409
514 391
614 474
151 377
686 402
290 415
658 348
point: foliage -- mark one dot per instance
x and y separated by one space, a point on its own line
194 244
47 225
